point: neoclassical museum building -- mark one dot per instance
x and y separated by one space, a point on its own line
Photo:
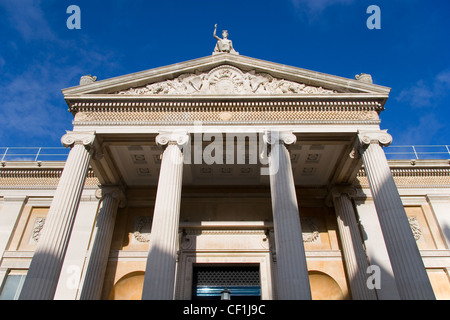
225 174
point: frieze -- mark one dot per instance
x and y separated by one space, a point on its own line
413 177
243 116
38 178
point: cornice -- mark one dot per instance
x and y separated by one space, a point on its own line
242 62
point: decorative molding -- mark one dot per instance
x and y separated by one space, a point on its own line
310 230
179 138
71 138
273 137
364 77
224 80
87 79
374 137
37 228
415 227
140 224
187 116
114 192
413 177
37 178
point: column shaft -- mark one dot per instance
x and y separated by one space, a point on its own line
292 272
98 258
409 270
159 281
45 267
352 248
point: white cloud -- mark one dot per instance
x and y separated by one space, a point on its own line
427 94
31 102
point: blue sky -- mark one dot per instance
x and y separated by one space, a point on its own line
39 55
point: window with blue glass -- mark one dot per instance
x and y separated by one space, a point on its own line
12 285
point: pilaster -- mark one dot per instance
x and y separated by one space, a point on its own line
10 213
112 198
351 240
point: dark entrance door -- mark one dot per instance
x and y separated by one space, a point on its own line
242 281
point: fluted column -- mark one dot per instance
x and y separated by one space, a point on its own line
407 264
159 278
292 272
112 198
352 247
45 267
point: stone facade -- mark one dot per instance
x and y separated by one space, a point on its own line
227 161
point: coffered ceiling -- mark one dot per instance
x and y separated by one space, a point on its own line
314 163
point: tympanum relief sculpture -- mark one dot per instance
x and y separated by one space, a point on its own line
224 80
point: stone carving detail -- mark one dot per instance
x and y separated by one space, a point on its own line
223 45
37 228
225 80
71 138
364 77
179 138
142 225
87 79
310 230
376 137
415 227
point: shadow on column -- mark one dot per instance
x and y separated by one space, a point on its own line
49 281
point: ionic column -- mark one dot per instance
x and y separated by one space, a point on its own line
292 272
112 198
159 278
407 264
352 247
45 267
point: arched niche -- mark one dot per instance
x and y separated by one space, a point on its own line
129 287
324 287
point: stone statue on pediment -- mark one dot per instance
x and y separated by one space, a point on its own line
224 44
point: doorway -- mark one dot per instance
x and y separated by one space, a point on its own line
242 281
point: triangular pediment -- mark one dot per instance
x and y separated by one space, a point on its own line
226 75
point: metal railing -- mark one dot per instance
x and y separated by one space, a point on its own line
425 152
393 152
33 154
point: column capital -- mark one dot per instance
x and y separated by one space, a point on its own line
374 137
113 192
180 138
286 137
85 138
340 190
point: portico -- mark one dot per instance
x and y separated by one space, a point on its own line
161 140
